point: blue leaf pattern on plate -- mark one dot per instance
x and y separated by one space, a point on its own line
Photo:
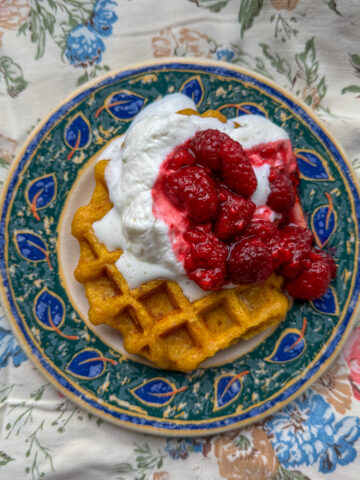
194 89
48 306
289 346
77 132
227 389
41 192
156 392
31 246
328 303
88 363
123 105
324 222
312 166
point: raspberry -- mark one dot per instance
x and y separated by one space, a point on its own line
236 169
192 189
181 157
291 250
282 194
312 283
250 261
317 255
205 262
262 229
206 145
235 214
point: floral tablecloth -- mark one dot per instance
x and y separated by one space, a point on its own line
50 47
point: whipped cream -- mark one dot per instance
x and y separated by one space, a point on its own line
134 164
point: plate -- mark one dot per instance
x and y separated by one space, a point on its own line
52 176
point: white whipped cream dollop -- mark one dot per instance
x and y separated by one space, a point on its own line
134 165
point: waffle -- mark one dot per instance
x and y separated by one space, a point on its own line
156 320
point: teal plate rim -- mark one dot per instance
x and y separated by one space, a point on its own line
228 386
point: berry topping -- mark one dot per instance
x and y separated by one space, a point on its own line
181 157
234 215
205 262
312 283
250 261
206 146
236 170
278 154
217 231
290 249
192 189
262 229
282 194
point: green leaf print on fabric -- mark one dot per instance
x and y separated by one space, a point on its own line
351 89
332 4
36 452
4 458
284 29
355 63
54 19
305 69
242 442
284 474
241 57
13 76
147 463
249 9
281 65
212 5
307 62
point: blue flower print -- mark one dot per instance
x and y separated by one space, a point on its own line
305 432
84 45
9 348
182 447
225 54
103 17
340 449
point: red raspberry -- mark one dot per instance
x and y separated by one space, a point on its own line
250 261
235 214
312 283
291 250
282 194
206 145
317 255
262 229
236 169
206 261
181 157
192 189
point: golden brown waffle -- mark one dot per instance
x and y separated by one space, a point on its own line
156 320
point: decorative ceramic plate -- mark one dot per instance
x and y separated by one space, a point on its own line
53 175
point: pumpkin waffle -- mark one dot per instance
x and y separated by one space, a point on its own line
156 320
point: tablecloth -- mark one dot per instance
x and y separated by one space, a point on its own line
48 49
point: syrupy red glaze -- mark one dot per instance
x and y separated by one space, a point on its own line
202 193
